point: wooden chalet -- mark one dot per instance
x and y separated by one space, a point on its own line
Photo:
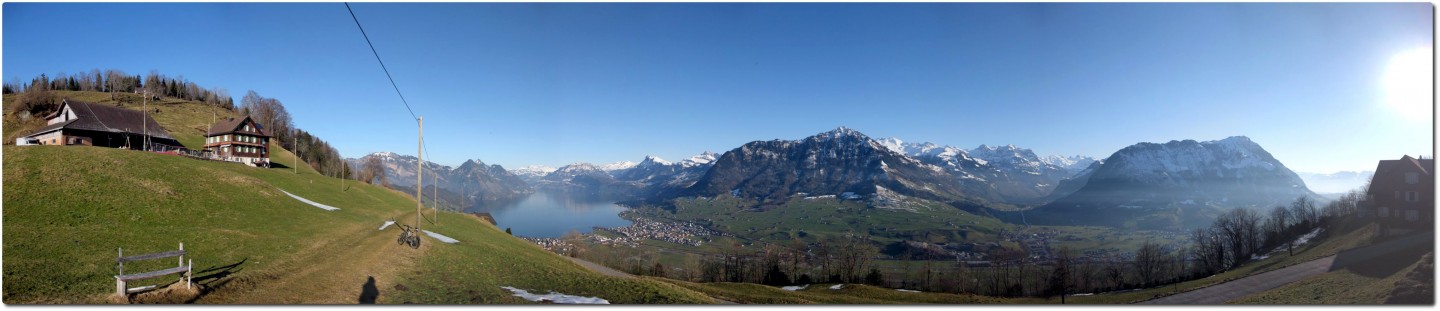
239 140
1402 194
91 124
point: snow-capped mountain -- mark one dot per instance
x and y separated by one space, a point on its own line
532 173
1338 182
1073 164
655 175
830 163
473 182
1185 175
1001 174
617 166
586 179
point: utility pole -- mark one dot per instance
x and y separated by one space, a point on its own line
435 197
145 111
419 169
294 153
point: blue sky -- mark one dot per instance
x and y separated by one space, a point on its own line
519 84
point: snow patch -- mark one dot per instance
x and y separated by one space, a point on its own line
387 224
321 206
556 297
795 288
906 290
837 286
440 237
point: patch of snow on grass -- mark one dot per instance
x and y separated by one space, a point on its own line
795 288
442 238
555 297
907 290
387 224
322 206
837 286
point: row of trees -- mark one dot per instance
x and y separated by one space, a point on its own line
117 81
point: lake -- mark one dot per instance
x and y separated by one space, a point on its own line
547 215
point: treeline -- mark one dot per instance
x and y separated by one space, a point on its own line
1235 238
116 81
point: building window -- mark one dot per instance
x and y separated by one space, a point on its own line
1412 178
1397 194
1384 212
1412 196
1412 215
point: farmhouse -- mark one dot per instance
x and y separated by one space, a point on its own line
91 124
239 140
1402 194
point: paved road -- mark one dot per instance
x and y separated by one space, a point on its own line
1220 293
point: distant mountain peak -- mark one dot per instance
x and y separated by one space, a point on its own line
840 132
618 166
653 160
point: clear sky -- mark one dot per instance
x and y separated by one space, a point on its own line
552 84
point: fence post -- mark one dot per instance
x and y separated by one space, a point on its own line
190 273
181 261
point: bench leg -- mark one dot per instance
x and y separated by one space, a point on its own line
120 289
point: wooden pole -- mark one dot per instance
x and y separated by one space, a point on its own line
145 111
435 197
294 157
419 169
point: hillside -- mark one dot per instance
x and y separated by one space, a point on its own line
67 210
186 120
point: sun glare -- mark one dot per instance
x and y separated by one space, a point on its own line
1409 84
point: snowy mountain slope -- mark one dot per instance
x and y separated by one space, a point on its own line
1149 177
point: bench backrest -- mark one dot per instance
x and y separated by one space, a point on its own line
121 259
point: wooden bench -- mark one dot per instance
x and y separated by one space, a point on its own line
122 278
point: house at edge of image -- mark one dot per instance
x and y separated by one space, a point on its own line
239 140
1402 195
91 124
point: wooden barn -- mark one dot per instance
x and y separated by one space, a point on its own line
91 124
239 140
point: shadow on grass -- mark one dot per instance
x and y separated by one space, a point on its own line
214 278
369 292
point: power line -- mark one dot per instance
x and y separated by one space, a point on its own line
382 63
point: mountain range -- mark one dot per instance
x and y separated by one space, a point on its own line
1183 181
471 183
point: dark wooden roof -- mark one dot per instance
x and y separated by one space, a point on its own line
1406 163
232 125
106 118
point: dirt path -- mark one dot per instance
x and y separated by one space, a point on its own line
617 273
1220 293
599 268
358 261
